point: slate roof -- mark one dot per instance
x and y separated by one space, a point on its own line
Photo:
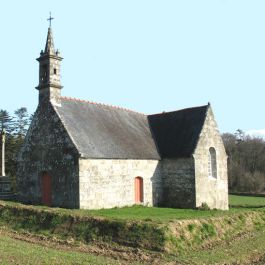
177 133
102 131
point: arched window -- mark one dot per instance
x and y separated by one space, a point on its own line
138 190
212 167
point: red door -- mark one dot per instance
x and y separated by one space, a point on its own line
138 188
46 189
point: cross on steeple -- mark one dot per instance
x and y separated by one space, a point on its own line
50 19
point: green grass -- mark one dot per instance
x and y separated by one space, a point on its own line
64 224
243 251
155 214
14 251
138 213
138 224
246 201
18 252
170 214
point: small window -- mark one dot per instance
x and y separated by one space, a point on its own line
212 165
55 71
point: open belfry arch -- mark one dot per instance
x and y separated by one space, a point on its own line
100 156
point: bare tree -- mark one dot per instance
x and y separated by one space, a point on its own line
246 162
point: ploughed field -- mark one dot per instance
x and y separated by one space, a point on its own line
134 235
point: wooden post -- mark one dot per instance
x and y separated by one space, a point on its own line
3 134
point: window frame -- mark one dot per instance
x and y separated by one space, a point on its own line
212 164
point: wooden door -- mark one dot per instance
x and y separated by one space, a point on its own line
138 187
46 189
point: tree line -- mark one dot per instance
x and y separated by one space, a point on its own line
15 126
246 162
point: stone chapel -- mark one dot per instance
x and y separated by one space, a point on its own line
81 154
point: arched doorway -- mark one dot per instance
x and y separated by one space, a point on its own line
139 190
46 189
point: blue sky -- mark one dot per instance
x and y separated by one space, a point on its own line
150 56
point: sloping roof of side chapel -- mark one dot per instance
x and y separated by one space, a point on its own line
176 133
102 131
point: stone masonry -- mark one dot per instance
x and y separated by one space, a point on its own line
178 182
209 190
54 153
106 183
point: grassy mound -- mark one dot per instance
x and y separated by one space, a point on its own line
86 229
160 229
187 235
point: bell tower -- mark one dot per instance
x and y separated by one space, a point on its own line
49 72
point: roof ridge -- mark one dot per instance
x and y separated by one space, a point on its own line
171 111
100 104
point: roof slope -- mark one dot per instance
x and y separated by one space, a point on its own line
101 131
176 133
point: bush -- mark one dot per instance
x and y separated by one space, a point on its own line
204 207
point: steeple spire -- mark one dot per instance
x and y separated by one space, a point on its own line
49 47
49 72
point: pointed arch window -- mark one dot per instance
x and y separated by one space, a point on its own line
212 164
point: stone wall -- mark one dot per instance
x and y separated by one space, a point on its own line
6 189
178 182
106 183
55 66
50 94
47 147
209 190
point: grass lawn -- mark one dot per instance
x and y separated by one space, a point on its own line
139 213
13 251
154 213
246 201
240 252
237 203
247 250
244 251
